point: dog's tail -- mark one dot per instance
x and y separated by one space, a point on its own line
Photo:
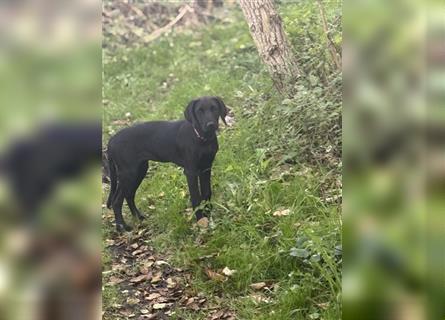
113 181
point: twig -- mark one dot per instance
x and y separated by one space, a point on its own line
330 43
157 33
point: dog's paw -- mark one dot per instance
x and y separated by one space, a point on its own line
203 223
123 227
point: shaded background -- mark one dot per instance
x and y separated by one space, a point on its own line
50 138
393 178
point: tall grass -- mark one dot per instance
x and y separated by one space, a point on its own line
275 157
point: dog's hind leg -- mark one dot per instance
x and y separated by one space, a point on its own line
118 201
132 184
113 182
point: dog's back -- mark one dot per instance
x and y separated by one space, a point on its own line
154 140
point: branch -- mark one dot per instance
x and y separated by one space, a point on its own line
157 33
330 43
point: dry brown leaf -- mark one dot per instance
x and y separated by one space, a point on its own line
136 252
144 311
217 315
323 305
214 275
134 246
281 213
126 313
140 278
203 222
114 280
170 283
133 301
259 298
157 277
109 242
258 285
146 267
153 296
207 256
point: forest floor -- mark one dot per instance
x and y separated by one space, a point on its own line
273 249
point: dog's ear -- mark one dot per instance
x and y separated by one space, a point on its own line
189 112
223 110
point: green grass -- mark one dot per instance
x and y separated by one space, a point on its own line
262 166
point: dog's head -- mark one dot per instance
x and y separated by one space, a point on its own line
204 112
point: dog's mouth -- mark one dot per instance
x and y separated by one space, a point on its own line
210 127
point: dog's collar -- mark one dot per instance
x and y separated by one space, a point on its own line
198 135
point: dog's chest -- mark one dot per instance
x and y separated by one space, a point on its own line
206 154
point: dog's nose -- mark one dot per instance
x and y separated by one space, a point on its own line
210 125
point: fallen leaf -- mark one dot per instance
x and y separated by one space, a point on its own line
114 280
323 305
156 278
259 298
228 272
161 262
314 316
109 242
126 313
217 315
140 278
158 306
214 275
281 213
134 246
136 252
133 301
203 222
153 296
144 311
145 268
207 256
258 285
170 283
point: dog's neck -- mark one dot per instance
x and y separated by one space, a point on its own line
202 137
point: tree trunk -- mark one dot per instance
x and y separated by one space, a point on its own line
268 34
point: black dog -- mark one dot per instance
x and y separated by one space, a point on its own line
190 143
35 165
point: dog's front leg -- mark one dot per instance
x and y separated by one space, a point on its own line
206 190
195 195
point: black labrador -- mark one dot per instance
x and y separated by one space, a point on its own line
190 144
34 166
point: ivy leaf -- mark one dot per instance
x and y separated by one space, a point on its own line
299 253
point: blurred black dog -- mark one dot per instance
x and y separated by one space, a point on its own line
34 165
190 143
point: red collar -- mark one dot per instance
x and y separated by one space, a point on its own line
198 135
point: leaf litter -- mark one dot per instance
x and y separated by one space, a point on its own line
150 287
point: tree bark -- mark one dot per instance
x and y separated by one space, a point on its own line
268 34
